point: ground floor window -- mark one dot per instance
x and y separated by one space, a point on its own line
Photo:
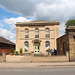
47 45
26 46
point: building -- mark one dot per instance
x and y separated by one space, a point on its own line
36 36
67 43
62 45
6 45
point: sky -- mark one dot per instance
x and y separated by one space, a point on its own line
12 11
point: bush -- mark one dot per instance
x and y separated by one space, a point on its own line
21 50
12 50
16 52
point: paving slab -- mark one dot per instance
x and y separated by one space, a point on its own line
24 65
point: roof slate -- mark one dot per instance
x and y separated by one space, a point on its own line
3 40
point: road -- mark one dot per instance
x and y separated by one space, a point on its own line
39 71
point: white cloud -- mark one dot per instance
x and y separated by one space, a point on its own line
8 34
62 29
1 24
12 22
60 10
57 8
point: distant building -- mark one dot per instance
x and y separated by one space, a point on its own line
36 36
6 45
67 43
62 44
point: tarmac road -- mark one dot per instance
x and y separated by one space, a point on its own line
39 71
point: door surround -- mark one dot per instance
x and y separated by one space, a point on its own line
36 45
36 48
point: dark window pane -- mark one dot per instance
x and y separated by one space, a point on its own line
26 36
38 47
35 47
26 44
47 44
26 50
36 36
47 36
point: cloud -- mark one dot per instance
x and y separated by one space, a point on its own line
1 24
61 10
62 29
12 21
8 34
46 8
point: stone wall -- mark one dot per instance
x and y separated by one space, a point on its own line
6 50
62 44
67 43
32 59
71 33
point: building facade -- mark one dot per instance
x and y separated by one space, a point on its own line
36 36
67 43
6 45
62 45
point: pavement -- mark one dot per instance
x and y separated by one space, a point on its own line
32 65
38 71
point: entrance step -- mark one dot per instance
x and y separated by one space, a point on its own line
41 55
27 54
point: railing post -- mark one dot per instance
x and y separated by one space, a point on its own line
32 53
3 56
49 53
67 55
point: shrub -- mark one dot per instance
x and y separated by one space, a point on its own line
21 50
16 52
12 50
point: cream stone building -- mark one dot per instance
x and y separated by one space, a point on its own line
36 36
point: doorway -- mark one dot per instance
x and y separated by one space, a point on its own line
36 48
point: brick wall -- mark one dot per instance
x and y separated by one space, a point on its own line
6 50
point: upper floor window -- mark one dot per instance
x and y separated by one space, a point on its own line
36 33
47 33
26 33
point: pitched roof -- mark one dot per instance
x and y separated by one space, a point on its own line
37 22
3 40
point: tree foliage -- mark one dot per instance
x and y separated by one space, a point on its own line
70 22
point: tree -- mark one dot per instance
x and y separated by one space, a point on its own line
70 22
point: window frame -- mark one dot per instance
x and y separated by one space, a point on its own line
36 33
47 43
47 33
26 33
26 43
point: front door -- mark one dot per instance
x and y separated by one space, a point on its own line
36 48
